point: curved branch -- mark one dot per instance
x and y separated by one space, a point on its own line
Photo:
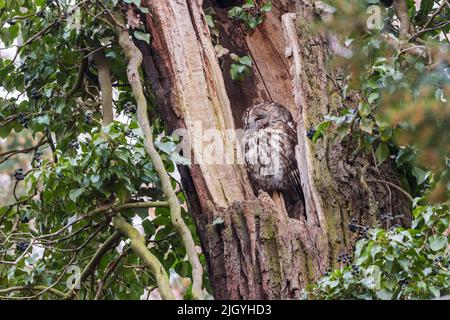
80 77
95 260
393 185
139 247
135 59
9 154
34 288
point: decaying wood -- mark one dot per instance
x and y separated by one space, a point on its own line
258 251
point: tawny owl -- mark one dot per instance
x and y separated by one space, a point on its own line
270 138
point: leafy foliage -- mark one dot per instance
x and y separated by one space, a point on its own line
250 14
241 68
404 116
81 171
405 111
395 264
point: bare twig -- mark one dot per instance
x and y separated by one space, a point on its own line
393 186
95 260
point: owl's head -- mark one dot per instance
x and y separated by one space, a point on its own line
256 117
264 114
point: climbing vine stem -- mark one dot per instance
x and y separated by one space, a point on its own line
134 57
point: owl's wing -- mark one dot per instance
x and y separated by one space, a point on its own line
294 177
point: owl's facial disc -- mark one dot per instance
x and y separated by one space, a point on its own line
251 124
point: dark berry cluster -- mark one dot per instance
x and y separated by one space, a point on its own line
23 120
22 246
37 159
27 79
403 282
88 118
24 68
310 133
328 272
438 259
25 219
129 107
74 144
387 3
40 14
353 226
395 226
344 258
11 22
356 271
447 72
18 174
35 94
130 134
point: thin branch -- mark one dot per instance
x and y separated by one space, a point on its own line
434 15
393 186
95 260
421 32
34 288
9 154
79 80
38 35
111 267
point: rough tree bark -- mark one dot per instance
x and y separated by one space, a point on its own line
259 252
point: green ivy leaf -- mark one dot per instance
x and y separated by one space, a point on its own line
136 2
364 110
245 60
234 12
366 125
420 175
75 193
382 152
142 36
437 242
372 97
267 7
249 4
385 294
210 20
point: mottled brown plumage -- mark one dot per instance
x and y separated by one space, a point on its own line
270 138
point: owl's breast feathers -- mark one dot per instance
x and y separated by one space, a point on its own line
270 147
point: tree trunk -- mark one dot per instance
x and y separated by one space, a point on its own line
258 252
